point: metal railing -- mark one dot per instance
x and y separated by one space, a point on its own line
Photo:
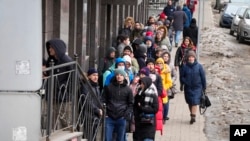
64 105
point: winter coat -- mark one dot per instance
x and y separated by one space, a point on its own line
140 55
85 91
173 70
180 56
119 100
106 62
194 80
165 75
179 19
60 50
168 11
192 32
149 105
189 16
151 49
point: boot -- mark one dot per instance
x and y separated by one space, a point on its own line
192 118
181 87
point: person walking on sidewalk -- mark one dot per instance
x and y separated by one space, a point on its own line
194 80
179 18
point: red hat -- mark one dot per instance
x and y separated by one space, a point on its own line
149 33
162 16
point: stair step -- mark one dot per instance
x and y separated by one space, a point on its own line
66 136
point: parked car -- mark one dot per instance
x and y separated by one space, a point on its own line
236 19
227 14
243 32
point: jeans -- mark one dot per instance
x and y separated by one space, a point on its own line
119 125
177 36
165 110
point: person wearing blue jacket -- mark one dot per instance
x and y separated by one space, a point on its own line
194 80
188 14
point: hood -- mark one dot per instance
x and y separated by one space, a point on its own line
169 54
185 8
164 28
147 81
59 47
159 60
109 51
119 60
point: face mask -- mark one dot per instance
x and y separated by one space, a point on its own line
121 67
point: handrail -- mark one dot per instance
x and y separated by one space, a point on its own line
64 101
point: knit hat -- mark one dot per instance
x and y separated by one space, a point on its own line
167 22
145 71
91 71
150 60
149 33
128 48
162 16
119 60
159 23
127 58
191 53
120 71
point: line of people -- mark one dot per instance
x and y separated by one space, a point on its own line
135 80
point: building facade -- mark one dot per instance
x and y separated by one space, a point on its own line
88 27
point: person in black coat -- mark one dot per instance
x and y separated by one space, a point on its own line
194 80
56 49
119 99
191 31
146 104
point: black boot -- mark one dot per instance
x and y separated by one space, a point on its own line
192 118
181 87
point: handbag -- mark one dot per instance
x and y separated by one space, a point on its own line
172 92
204 103
148 119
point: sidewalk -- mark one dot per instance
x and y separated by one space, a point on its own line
177 128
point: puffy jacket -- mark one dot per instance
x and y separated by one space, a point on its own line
119 99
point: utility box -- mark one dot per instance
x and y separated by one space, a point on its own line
20 116
21 45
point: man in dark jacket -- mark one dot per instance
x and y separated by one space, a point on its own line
118 98
90 109
56 50
179 18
